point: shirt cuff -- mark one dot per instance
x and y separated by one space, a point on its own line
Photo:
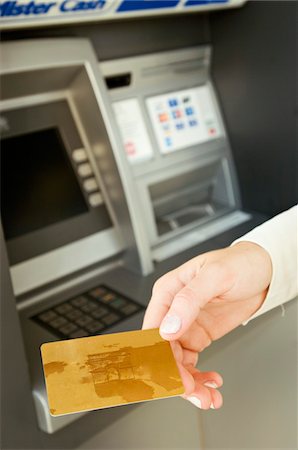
278 237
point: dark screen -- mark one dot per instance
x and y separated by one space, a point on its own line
38 184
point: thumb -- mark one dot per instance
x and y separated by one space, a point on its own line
209 283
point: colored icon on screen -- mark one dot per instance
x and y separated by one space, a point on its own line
173 102
163 117
189 111
176 114
168 142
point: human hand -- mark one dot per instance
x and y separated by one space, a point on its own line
200 302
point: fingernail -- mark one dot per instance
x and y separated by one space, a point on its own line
212 406
211 384
170 324
195 401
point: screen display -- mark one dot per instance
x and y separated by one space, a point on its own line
183 119
38 184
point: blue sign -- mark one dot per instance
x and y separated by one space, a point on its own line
138 5
27 13
204 2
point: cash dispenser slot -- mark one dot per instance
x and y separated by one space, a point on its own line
187 200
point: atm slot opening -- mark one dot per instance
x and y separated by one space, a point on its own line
187 215
188 199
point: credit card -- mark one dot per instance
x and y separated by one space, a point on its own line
109 370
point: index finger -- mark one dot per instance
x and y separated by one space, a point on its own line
164 291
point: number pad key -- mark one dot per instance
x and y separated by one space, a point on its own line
73 315
57 323
129 309
48 316
118 303
111 318
99 312
64 308
93 327
78 334
107 298
90 306
68 329
98 292
80 301
82 321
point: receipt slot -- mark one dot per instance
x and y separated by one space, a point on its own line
180 163
63 207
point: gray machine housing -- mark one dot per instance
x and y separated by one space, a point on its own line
193 192
58 83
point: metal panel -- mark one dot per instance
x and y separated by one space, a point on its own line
91 111
140 79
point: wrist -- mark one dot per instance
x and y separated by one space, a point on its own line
258 261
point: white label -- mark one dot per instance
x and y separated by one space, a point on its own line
134 135
183 119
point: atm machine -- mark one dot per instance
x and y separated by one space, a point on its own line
112 172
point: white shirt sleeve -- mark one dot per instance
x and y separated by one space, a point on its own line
279 237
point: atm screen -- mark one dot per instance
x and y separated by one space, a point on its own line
38 184
183 119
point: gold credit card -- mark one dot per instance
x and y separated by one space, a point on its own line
109 370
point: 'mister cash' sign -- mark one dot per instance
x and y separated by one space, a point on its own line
26 13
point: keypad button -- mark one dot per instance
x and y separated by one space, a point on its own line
108 298
79 333
57 323
98 292
90 184
84 170
82 321
99 312
79 155
73 315
64 308
95 199
68 329
88 307
95 326
47 316
129 309
79 301
118 303
111 318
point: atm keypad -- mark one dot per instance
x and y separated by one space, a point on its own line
88 314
